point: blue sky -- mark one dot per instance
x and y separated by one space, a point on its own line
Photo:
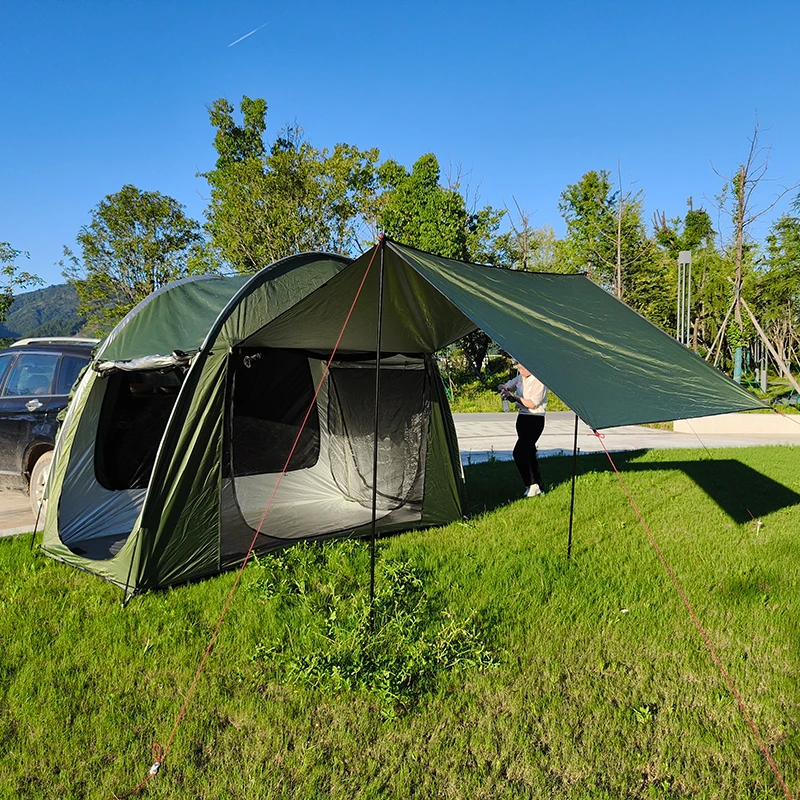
524 97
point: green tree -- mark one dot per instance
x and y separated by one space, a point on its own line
270 202
606 235
777 286
415 209
710 268
13 277
737 200
136 242
588 209
526 247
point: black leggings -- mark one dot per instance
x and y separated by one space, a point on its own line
529 429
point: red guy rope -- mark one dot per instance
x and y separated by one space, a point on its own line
160 753
698 624
792 417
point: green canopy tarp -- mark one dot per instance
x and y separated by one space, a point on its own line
605 361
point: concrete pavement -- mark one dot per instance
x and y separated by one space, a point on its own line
15 513
483 436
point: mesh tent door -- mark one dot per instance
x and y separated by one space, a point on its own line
327 487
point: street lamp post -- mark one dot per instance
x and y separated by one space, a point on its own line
684 297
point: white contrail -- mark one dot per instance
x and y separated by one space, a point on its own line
242 38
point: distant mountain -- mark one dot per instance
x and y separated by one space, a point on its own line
46 312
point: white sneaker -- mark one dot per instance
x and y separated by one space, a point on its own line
534 490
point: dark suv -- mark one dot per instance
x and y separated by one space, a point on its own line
36 376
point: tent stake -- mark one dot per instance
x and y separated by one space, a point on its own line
379 334
572 501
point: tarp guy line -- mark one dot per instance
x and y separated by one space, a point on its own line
698 624
160 753
788 416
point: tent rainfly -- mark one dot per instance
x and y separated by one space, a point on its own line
174 441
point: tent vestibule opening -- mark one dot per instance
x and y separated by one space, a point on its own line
110 468
327 486
134 416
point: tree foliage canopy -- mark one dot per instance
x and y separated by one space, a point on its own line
414 208
268 202
606 235
136 243
777 284
12 277
273 198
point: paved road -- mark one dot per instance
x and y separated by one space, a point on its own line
483 435
480 435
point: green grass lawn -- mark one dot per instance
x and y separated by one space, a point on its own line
500 669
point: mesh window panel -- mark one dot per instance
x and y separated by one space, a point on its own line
272 390
402 434
134 416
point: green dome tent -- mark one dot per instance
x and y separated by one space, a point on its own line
175 441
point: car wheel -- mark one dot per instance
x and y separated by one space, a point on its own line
39 473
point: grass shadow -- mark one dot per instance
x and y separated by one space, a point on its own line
740 491
492 484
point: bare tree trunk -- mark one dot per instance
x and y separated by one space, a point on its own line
619 249
523 234
720 337
744 182
620 211
773 352
741 203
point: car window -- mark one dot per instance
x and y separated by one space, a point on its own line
71 367
31 374
5 363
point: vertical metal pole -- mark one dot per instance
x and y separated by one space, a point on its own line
737 364
689 304
683 305
678 315
684 295
572 501
378 337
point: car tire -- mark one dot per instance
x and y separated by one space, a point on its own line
39 473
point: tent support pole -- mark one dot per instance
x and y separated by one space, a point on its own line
127 597
572 500
36 525
378 336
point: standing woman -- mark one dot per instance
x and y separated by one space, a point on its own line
530 395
